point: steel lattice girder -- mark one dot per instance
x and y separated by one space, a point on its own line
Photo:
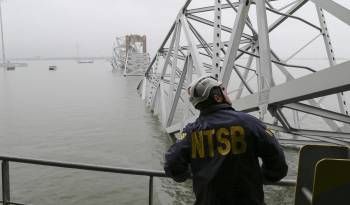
308 87
189 51
128 58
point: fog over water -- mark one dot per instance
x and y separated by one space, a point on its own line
85 113
80 113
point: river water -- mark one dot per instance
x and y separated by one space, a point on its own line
85 113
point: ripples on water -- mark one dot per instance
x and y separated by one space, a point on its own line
84 113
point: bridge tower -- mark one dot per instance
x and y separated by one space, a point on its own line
275 57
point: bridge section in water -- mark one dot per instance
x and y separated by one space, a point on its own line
244 44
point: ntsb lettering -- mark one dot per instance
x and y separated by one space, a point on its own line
224 141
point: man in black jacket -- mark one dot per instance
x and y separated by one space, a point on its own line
221 150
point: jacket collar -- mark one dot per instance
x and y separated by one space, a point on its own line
214 108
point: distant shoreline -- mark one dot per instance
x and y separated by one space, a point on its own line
110 58
59 58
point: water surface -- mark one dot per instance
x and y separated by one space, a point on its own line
85 113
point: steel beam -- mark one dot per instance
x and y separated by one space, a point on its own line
248 22
245 75
243 78
318 112
156 102
208 8
264 67
210 23
162 103
143 95
277 113
311 86
189 109
235 38
210 45
290 11
332 137
312 102
331 57
203 43
315 134
335 9
184 8
175 101
167 58
174 64
155 97
295 17
193 49
302 142
216 40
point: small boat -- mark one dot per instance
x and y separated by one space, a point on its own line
52 67
11 67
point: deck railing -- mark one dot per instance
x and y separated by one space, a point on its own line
6 199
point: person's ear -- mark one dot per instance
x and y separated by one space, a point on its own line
218 98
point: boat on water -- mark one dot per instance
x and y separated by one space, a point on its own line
52 67
10 68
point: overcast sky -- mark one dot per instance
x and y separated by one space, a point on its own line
55 27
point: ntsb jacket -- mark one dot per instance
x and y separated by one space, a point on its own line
221 150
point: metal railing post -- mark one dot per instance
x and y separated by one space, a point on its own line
150 189
5 182
88 167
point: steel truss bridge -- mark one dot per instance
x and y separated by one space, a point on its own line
130 55
244 44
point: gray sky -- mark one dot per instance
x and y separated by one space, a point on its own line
55 27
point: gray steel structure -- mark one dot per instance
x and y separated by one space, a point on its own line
304 104
130 55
